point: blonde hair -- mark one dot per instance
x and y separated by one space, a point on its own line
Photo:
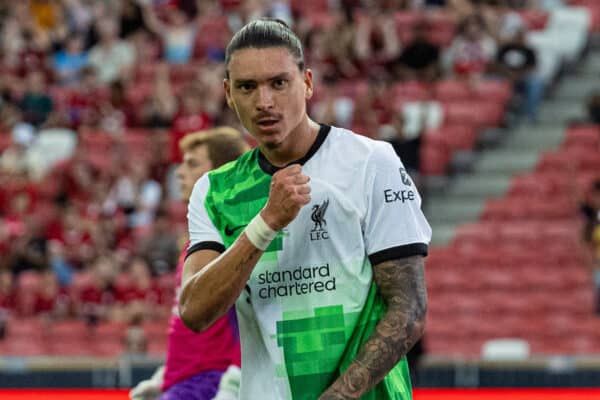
223 143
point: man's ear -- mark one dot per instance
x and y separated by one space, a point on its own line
308 81
227 88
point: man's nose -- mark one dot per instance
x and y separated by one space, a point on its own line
264 99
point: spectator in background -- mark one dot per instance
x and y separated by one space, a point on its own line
16 158
420 58
139 295
593 108
408 148
331 49
471 50
51 301
376 41
160 248
84 101
159 108
8 293
30 250
190 117
111 57
71 231
590 211
136 193
97 297
36 104
178 34
334 108
69 61
131 19
516 61
116 114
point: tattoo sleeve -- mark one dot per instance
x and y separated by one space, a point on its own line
402 285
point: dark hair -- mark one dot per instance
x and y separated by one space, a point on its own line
263 33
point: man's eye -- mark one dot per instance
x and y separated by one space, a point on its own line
245 87
279 83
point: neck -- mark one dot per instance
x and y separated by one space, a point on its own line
295 146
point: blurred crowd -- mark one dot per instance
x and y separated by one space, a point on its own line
96 94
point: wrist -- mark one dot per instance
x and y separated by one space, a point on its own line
270 221
259 233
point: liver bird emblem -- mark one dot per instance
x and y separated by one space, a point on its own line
318 216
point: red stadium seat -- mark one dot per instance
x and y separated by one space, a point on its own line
448 90
67 330
475 113
584 135
555 162
434 160
23 346
412 90
457 137
494 90
73 346
25 327
157 347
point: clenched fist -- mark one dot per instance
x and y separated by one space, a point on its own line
288 194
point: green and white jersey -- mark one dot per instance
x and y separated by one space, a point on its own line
311 301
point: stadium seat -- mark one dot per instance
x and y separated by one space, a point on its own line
157 347
505 349
434 160
73 346
459 136
25 327
449 90
584 135
497 91
23 346
67 330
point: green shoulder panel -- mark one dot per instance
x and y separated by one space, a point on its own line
238 191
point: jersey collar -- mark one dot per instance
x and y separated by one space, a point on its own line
270 169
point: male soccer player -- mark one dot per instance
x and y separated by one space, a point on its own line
196 361
316 235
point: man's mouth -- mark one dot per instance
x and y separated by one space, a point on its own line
266 122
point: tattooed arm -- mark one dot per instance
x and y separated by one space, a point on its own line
401 283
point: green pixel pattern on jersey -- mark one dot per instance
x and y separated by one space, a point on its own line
313 347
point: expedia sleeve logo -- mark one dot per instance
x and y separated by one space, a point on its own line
402 195
404 177
319 230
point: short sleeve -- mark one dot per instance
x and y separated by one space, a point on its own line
203 233
394 225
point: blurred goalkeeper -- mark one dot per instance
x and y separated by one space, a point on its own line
196 362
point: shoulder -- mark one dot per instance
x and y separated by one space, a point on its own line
349 143
233 172
348 149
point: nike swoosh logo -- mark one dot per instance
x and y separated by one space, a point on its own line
231 230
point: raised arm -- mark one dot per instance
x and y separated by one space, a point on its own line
211 281
401 283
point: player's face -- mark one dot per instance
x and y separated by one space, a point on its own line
268 92
196 163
